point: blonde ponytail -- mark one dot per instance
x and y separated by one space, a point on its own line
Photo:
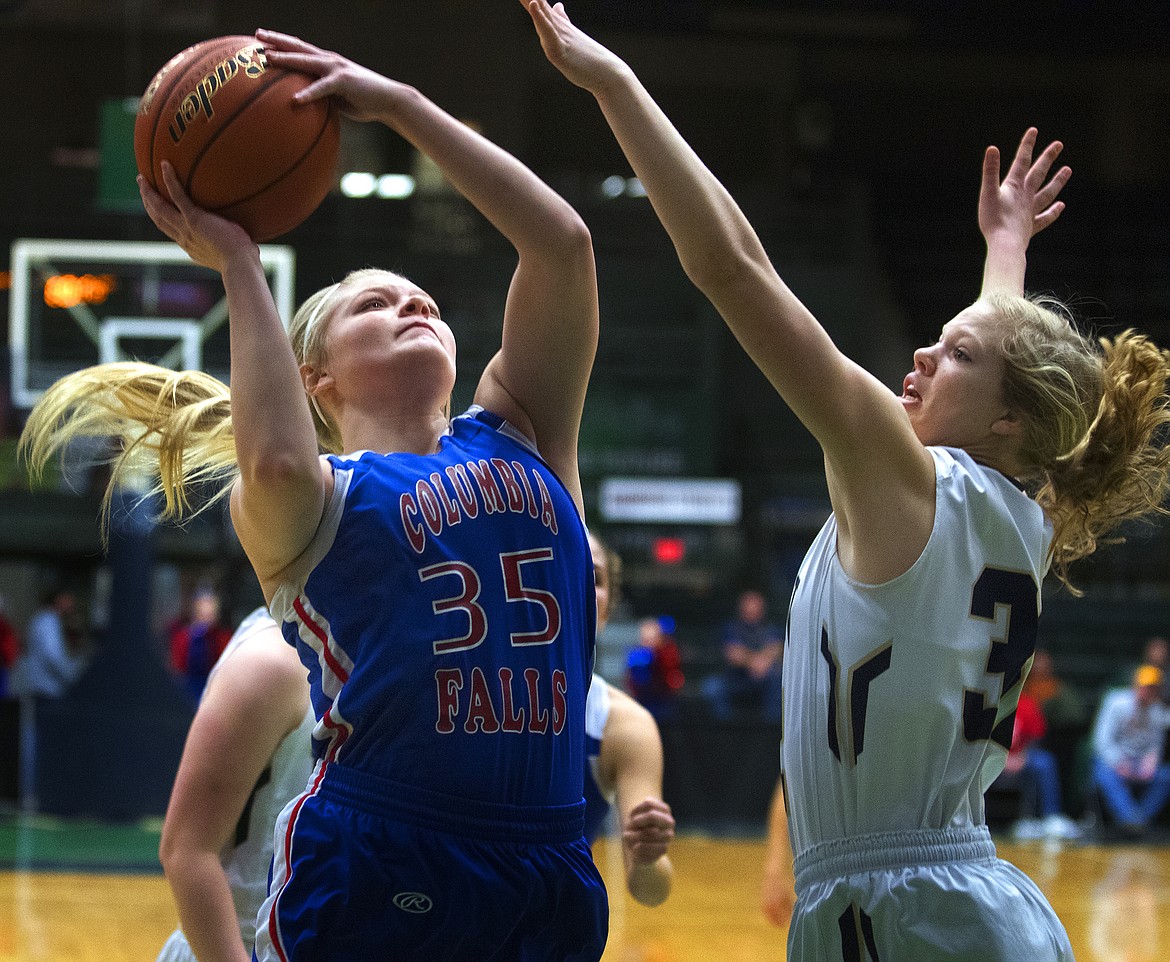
171 432
1095 423
1118 471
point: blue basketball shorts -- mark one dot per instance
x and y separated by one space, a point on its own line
360 876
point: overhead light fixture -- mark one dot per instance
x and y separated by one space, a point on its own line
358 184
387 186
613 187
616 186
395 186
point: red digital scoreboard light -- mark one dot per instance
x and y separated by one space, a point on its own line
669 551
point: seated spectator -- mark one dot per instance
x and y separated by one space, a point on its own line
1031 766
753 651
1157 653
654 674
1128 742
1062 707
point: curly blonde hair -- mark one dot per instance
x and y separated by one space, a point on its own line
1095 422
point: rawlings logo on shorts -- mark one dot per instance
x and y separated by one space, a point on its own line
414 902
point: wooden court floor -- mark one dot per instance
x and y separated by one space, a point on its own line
1114 901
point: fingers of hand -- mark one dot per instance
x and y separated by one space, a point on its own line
156 202
655 830
647 849
284 42
171 180
1044 219
165 215
650 815
1048 193
1044 162
991 166
1027 143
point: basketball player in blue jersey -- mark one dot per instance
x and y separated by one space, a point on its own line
624 751
1015 445
246 754
433 573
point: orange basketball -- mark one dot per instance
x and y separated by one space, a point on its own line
225 119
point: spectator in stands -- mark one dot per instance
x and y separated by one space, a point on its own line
52 659
198 641
1128 749
753 652
1033 768
1157 653
9 650
654 674
1061 706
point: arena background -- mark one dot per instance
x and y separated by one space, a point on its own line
851 131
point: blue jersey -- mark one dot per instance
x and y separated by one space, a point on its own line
446 616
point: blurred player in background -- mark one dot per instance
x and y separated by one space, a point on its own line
248 752
625 763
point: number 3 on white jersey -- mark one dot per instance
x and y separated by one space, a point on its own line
1012 593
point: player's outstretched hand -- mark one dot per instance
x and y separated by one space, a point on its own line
573 52
1024 202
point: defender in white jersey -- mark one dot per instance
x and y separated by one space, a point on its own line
898 707
914 620
914 682
248 752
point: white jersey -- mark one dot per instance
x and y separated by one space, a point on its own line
899 698
597 704
598 799
247 856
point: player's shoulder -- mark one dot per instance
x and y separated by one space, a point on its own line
628 712
263 648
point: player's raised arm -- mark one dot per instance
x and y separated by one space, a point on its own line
1016 208
537 381
868 443
278 498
